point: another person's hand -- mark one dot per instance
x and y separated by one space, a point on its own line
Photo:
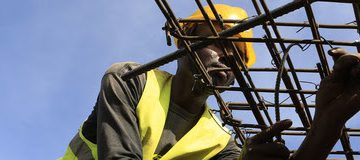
338 98
262 147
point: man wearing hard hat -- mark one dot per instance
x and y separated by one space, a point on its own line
161 116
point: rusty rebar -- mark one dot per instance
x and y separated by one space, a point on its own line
254 101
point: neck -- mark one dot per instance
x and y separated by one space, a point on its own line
183 95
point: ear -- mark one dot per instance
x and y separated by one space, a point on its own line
189 29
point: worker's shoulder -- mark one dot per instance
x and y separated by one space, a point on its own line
162 73
121 67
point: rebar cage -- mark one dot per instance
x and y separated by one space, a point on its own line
286 85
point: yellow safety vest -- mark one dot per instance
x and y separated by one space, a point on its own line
203 141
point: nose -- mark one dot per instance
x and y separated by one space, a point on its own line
223 57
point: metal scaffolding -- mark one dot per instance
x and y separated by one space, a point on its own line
278 47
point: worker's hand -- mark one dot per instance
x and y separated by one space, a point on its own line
262 147
338 97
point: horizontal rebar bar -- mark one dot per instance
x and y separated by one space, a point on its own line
245 106
256 126
285 24
266 90
295 133
284 40
304 70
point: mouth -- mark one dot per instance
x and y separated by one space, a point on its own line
220 74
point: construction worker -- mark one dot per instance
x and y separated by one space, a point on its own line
161 116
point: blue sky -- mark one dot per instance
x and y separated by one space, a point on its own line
53 55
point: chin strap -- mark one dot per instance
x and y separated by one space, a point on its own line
198 85
198 81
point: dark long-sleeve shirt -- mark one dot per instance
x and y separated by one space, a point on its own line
113 124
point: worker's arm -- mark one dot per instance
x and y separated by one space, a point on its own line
231 151
117 129
337 100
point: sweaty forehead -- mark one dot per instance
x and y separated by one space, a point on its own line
205 30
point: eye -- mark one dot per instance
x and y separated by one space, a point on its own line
228 46
223 60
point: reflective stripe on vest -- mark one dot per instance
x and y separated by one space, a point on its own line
80 148
203 141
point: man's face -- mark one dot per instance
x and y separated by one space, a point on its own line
213 57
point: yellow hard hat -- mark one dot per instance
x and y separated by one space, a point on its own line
229 13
